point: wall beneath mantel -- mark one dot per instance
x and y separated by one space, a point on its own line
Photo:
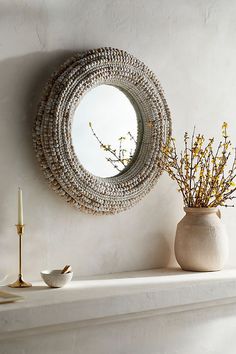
189 44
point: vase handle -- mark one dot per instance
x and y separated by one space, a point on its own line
218 213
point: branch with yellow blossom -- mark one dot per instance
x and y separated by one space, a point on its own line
119 158
201 173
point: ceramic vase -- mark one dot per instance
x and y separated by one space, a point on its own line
201 242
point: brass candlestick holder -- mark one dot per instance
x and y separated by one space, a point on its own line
20 283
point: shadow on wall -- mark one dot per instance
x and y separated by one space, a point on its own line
22 81
158 250
151 250
27 76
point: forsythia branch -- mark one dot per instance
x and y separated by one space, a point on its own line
202 174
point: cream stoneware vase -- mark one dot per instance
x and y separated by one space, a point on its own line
201 242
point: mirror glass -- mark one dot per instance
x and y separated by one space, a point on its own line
104 131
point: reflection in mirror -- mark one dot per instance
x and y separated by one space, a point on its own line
104 131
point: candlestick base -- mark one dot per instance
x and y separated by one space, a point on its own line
20 283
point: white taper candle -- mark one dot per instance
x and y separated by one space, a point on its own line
20 207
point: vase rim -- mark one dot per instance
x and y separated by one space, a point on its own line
201 210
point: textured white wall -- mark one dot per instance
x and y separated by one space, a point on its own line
189 44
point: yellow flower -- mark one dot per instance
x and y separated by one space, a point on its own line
195 151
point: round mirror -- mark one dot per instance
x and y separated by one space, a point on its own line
105 131
103 114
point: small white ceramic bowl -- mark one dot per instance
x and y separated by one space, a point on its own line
54 278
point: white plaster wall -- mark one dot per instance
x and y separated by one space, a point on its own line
189 44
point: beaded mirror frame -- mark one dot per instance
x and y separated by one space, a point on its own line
52 130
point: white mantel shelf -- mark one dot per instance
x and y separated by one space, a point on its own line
111 298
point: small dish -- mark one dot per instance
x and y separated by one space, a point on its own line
54 278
